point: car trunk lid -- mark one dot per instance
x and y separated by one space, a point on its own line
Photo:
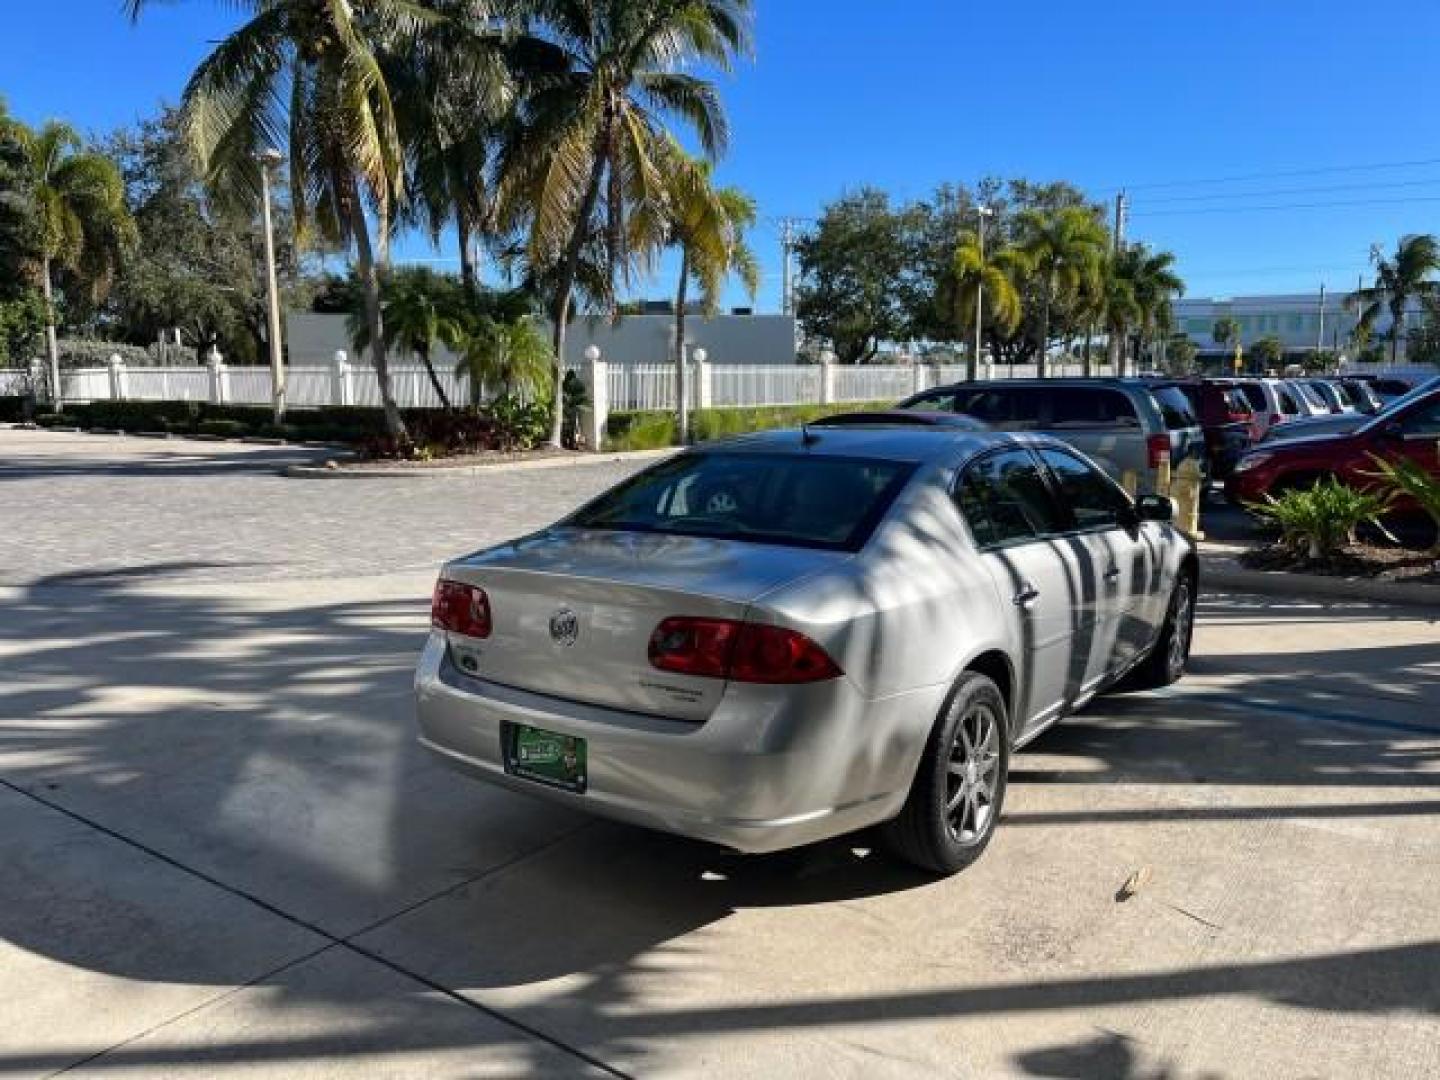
572 611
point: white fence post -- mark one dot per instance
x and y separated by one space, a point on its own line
919 376
342 390
827 377
117 378
596 374
704 380
219 377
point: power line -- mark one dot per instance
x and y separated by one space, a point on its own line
1365 186
1276 174
1287 206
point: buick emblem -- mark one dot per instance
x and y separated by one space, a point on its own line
564 627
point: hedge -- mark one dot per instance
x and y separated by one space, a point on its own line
14 409
653 429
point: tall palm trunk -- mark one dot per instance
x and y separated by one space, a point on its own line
1397 325
565 287
435 380
370 294
1088 365
468 276
1040 368
681 404
52 343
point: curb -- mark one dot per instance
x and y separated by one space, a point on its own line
440 472
1223 572
250 440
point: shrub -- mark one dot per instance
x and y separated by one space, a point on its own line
650 430
226 428
1404 477
1318 520
88 352
14 409
52 419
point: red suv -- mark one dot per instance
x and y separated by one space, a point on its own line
1412 431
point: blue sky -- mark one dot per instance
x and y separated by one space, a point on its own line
904 95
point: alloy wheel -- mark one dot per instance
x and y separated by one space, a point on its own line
972 771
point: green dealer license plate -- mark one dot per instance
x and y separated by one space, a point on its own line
545 757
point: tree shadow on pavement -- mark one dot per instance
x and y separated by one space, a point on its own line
266 746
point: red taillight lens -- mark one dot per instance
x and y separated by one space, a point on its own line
744 652
1158 448
460 608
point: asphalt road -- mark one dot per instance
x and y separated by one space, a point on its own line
222 853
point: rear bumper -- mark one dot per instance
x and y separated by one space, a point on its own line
771 768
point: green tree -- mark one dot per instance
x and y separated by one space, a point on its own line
79 227
1224 333
1406 276
195 267
1116 307
313 72
420 309
589 136
1063 249
505 350
1154 284
985 276
707 224
849 266
1266 354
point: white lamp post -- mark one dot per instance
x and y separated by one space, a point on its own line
269 161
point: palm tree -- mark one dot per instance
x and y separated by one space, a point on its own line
313 73
76 200
1224 332
1405 276
1154 284
1063 249
595 127
986 277
1111 303
512 353
419 310
708 225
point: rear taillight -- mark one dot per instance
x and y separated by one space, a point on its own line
744 652
1158 448
460 608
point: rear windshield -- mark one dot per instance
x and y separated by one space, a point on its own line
1255 393
1238 403
796 500
1175 408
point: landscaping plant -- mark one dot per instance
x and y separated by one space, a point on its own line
1403 477
1317 521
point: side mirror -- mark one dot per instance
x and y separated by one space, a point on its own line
1155 508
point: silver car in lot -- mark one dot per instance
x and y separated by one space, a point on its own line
788 636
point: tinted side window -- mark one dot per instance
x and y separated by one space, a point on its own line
1238 403
1006 408
1081 407
939 401
1255 395
1093 498
1004 499
1422 421
1288 405
1175 408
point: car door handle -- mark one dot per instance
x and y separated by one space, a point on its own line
1027 595
1112 575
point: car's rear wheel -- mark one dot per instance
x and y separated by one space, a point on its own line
959 789
1167 659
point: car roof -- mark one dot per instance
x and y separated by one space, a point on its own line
1105 382
901 442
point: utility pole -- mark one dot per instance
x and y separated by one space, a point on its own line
973 369
787 246
271 159
1117 241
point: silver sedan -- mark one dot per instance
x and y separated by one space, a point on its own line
789 636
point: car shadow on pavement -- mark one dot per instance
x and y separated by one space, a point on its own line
266 748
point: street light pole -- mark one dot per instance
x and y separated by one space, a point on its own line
270 160
982 212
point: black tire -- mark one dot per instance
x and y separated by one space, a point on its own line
1166 663
926 832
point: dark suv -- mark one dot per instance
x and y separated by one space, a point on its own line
1123 425
1230 424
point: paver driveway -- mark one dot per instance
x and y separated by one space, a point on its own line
221 852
